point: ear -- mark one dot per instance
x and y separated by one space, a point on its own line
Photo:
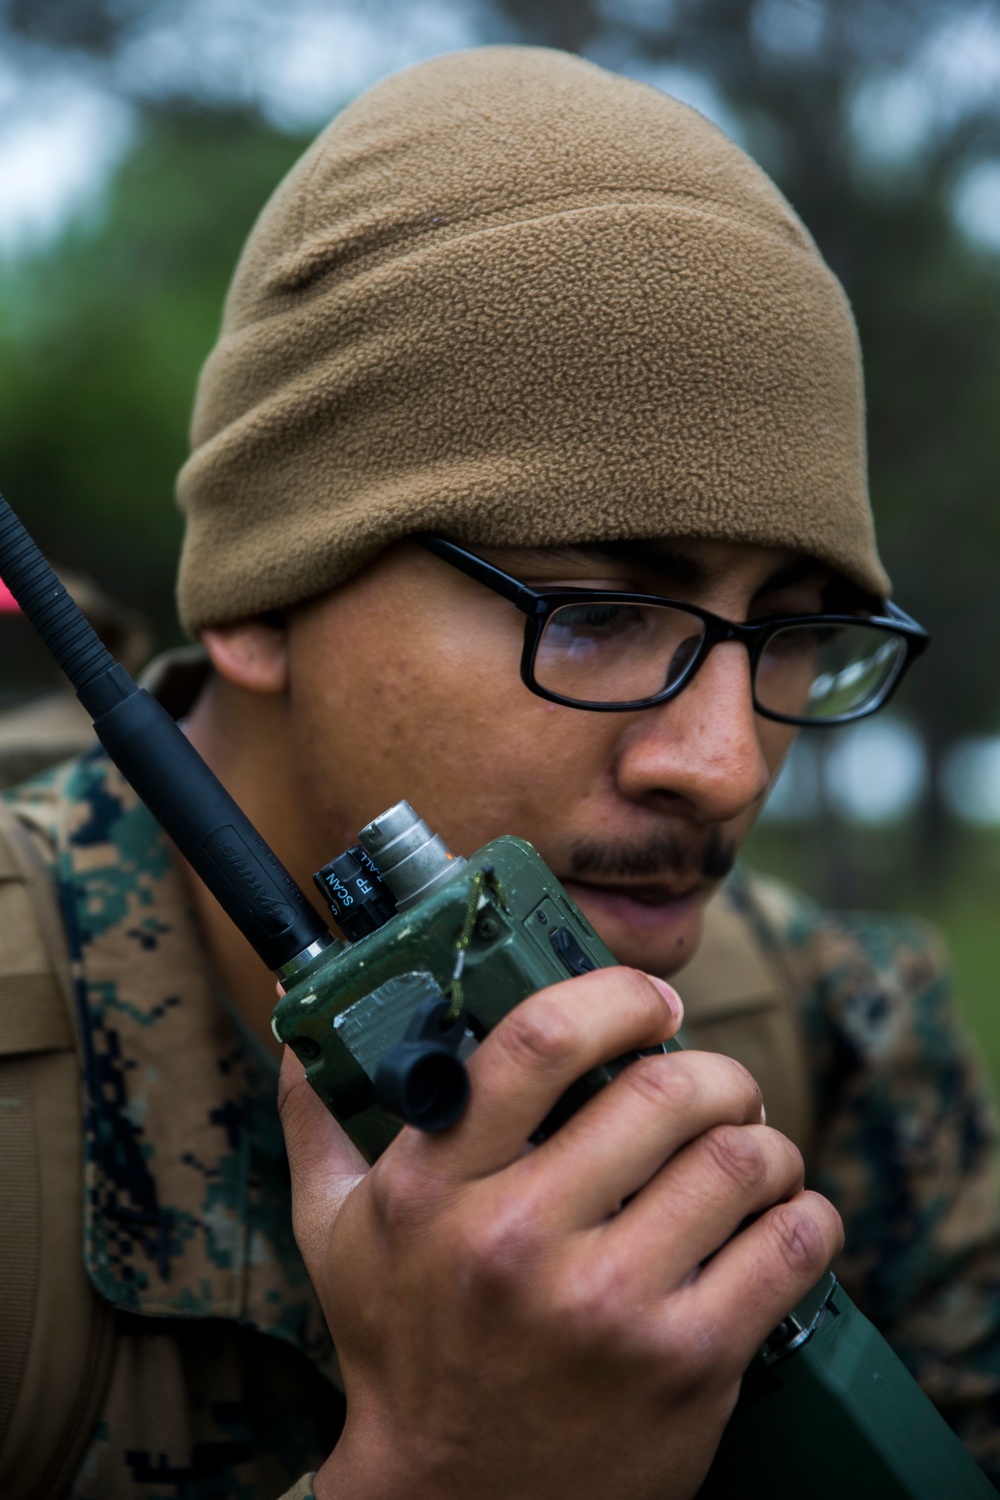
251 654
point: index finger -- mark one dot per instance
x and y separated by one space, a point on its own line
542 1046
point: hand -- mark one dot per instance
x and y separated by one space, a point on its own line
566 1321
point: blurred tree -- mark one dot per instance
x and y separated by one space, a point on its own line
101 339
85 25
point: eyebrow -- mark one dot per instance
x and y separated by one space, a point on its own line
804 569
675 565
672 565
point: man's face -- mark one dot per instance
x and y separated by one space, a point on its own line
404 682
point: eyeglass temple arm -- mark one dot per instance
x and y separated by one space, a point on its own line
919 638
478 568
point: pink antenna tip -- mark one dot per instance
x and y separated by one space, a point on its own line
8 604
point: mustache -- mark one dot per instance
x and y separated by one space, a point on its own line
667 854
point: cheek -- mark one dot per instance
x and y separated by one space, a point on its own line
776 741
438 715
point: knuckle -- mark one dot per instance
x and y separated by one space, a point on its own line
493 1250
648 1004
748 1086
827 1216
389 1205
594 1310
698 1346
541 1036
800 1239
400 1197
659 1081
737 1154
795 1166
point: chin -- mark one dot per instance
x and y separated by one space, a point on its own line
658 936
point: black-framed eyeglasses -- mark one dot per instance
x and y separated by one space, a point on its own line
613 651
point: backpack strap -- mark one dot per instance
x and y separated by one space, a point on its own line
739 999
58 1334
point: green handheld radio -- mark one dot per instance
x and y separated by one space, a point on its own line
438 950
383 1024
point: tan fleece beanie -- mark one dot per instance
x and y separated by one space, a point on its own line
514 298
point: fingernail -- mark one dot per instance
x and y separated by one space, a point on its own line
670 995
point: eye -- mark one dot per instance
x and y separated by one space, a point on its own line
597 620
806 597
802 640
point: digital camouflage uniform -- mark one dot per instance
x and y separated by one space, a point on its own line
223 1386
905 1146
224 1383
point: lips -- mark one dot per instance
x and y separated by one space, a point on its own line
648 894
644 907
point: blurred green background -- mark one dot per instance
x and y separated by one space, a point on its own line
139 138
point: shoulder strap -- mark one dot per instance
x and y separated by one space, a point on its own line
58 1334
738 999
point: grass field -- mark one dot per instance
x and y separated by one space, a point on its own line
883 871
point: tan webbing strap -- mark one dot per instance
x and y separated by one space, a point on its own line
34 1015
19 1218
738 1000
57 1334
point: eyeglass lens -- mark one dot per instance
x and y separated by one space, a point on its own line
827 671
606 652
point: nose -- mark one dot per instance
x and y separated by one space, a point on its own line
703 747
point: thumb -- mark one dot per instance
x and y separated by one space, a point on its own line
325 1163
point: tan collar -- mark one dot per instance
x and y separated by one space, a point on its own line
740 999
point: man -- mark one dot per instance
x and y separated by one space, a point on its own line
560 320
